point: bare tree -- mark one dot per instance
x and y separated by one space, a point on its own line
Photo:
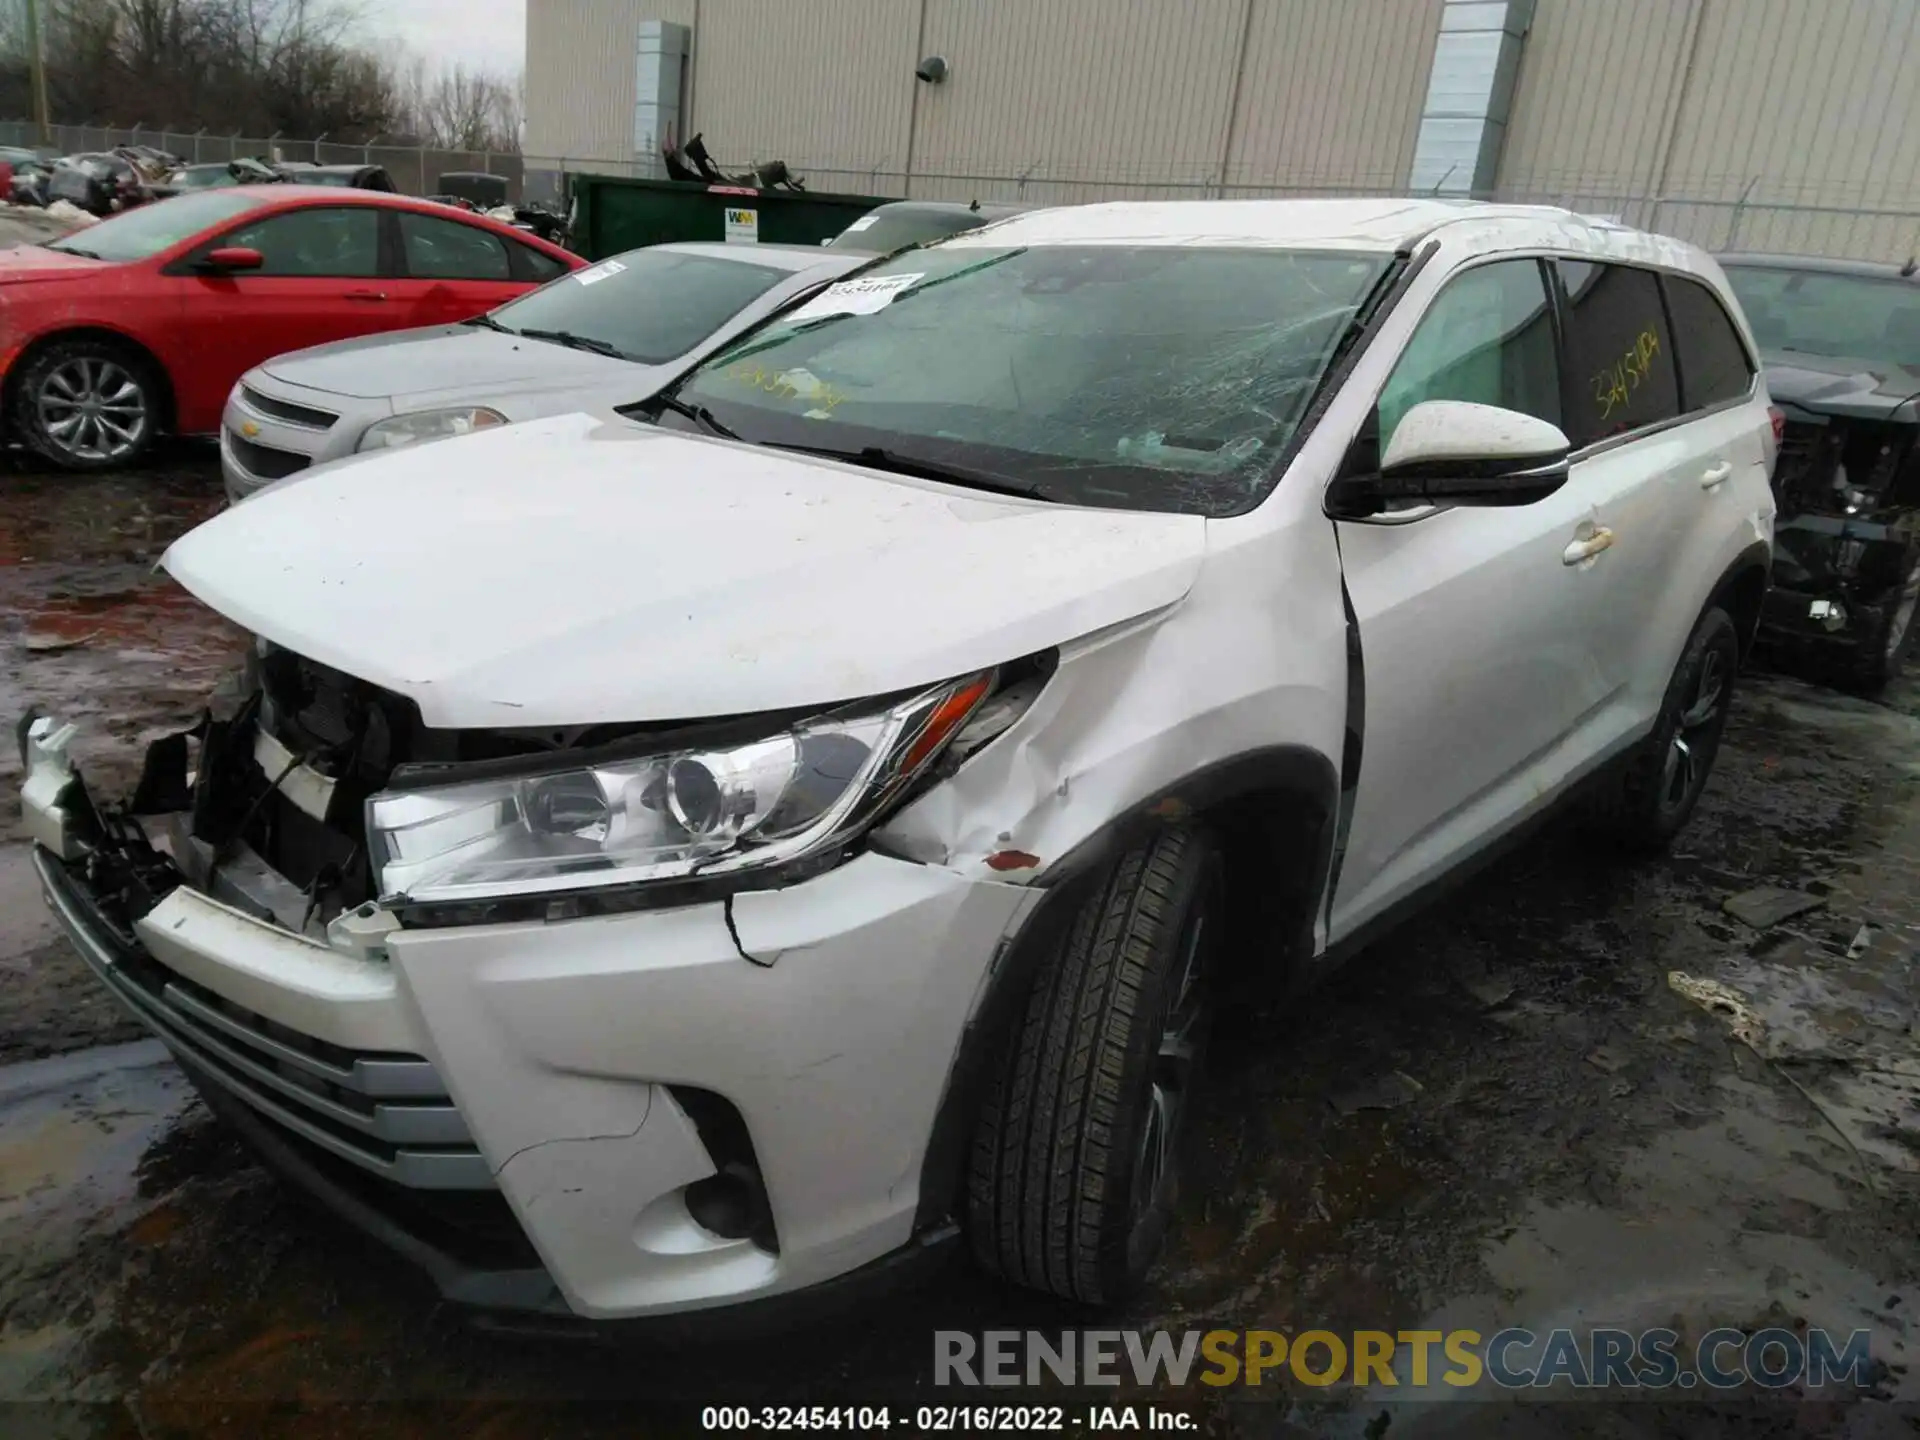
257 67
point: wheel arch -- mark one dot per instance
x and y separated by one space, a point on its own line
106 334
1741 591
1274 812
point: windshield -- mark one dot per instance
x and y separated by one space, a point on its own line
885 231
650 305
138 234
1132 377
1815 312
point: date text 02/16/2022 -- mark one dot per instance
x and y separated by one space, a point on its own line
971 1419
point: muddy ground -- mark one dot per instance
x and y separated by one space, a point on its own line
1579 1142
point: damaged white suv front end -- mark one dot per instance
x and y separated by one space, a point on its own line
609 1017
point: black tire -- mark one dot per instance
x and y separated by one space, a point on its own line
1881 651
58 383
1075 1155
1651 798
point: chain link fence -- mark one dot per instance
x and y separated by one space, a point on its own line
1742 216
1732 213
416 169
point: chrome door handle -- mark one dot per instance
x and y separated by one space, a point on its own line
1586 548
1714 474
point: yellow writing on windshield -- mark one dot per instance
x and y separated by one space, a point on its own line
776 382
1613 386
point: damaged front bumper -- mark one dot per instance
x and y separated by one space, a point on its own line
561 1117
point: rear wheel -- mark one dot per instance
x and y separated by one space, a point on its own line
86 404
1652 797
1076 1155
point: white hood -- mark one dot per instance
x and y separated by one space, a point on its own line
586 569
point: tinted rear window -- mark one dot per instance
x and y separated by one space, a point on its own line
1619 354
1713 363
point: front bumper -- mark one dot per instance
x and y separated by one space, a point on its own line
540 1069
271 430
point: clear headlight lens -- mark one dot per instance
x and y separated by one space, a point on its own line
428 425
666 816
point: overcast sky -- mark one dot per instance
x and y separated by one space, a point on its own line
490 34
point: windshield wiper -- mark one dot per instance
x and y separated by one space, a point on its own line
487 322
699 414
576 342
76 250
878 458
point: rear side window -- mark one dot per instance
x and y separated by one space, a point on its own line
1713 363
1619 354
448 250
539 266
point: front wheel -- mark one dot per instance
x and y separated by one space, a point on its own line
86 404
1882 651
1652 797
1076 1154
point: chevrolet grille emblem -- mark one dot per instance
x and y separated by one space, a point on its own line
249 429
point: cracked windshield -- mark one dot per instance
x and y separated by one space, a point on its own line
1130 377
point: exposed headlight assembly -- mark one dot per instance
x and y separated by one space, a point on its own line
673 815
429 425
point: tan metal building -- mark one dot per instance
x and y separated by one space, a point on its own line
1788 124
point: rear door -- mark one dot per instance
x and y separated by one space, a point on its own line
1480 671
321 280
450 270
1650 470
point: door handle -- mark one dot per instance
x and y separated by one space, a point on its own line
1714 474
1587 546
366 295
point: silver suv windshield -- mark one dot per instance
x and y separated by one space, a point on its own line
1136 377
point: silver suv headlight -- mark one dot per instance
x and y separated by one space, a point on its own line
671 815
429 425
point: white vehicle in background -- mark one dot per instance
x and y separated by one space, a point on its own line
606 335
653 867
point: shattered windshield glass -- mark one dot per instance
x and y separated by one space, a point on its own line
1138 377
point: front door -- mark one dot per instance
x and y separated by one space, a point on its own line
1475 623
320 281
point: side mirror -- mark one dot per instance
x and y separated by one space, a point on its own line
1454 452
230 258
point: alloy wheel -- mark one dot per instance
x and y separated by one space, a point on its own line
92 408
1902 620
1687 754
1175 1063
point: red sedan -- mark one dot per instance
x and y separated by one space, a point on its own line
142 323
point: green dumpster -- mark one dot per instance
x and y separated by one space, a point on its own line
612 213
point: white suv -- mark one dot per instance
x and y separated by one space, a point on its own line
652 866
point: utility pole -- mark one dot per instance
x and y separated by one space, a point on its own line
37 60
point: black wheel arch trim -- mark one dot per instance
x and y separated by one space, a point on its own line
1246 780
1757 558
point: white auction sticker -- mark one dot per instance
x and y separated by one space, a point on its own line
862 223
594 274
857 297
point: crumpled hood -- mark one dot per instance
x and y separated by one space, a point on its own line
1861 389
586 570
443 361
